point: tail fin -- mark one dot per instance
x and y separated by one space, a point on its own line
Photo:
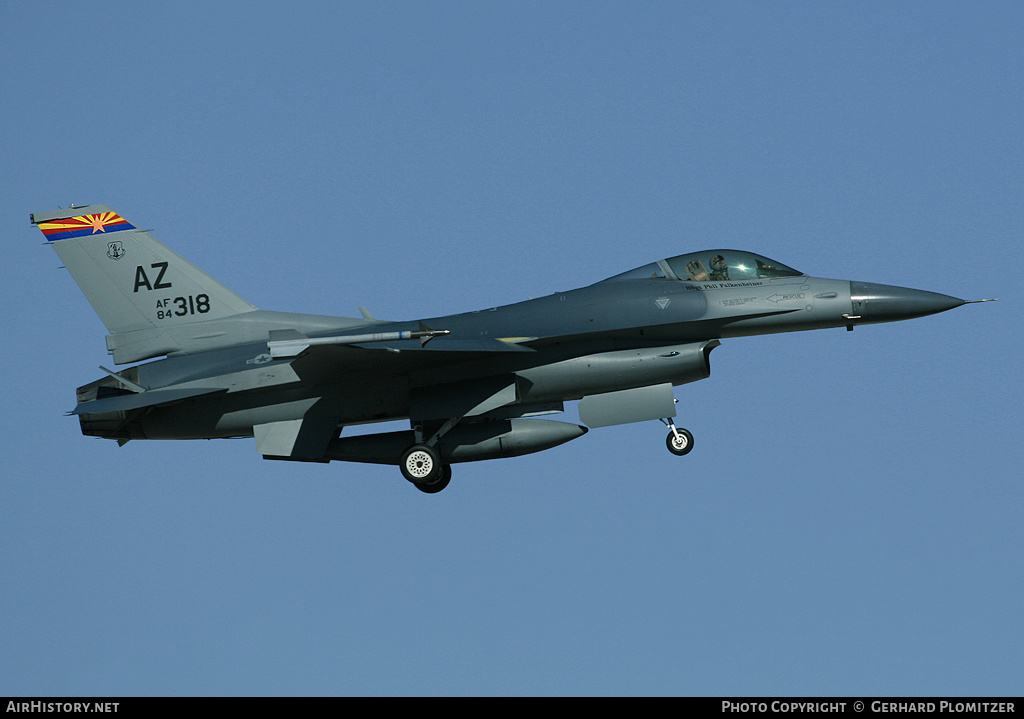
145 293
131 280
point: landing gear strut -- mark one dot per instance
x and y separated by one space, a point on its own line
421 463
679 441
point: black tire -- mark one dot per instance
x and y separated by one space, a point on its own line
681 446
421 465
441 483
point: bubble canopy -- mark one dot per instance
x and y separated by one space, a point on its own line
712 266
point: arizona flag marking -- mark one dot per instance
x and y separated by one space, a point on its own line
84 226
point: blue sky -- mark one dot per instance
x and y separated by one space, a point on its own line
849 521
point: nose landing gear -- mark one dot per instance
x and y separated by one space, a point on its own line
679 441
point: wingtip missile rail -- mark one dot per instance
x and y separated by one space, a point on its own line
287 343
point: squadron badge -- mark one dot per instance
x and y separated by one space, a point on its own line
115 250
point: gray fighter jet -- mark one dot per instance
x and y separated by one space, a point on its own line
471 385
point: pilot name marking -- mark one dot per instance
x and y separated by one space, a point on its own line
722 285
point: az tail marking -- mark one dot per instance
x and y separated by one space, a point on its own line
141 280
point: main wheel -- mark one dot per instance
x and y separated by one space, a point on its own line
679 445
439 484
421 465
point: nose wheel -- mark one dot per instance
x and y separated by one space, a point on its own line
679 441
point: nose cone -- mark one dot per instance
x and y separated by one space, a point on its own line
886 303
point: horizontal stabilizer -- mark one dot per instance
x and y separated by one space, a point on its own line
152 398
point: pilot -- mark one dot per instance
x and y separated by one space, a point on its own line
719 270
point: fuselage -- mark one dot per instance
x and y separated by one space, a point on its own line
638 316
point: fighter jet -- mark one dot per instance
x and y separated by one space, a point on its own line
471 385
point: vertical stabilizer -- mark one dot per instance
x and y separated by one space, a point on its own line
130 279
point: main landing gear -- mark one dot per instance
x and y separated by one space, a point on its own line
422 466
679 441
421 463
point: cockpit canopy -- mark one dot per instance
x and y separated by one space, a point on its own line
712 266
